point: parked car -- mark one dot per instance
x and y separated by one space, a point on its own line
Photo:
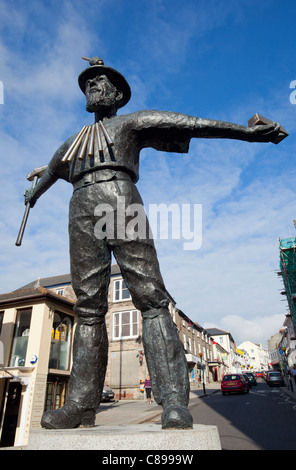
246 377
107 393
274 377
234 383
264 372
251 378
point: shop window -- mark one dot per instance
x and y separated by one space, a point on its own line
56 392
60 342
20 338
121 291
125 325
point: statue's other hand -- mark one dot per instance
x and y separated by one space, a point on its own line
266 132
29 193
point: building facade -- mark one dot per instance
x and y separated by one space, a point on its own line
37 328
287 344
287 249
226 341
257 356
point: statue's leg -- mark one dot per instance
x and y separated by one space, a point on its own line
90 272
168 368
164 351
90 351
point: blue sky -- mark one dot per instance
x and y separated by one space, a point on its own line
215 59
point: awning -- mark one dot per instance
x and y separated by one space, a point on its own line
192 359
215 363
15 373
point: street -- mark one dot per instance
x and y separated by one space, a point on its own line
263 419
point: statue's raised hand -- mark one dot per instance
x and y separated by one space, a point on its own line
266 132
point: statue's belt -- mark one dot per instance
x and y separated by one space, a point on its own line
101 176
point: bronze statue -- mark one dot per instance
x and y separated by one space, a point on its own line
102 163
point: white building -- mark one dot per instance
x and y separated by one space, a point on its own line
225 339
258 356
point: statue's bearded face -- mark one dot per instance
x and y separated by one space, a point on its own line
100 93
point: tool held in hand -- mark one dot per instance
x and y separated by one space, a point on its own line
33 176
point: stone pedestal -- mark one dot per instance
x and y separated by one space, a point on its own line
129 437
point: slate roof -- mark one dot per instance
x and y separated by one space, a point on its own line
47 282
216 332
60 280
32 293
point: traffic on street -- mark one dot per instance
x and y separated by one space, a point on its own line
262 419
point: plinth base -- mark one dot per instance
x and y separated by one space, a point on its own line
130 437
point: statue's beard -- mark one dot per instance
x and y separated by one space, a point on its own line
98 101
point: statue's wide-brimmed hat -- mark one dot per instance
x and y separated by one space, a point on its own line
97 67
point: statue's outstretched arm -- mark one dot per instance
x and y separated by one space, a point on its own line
207 128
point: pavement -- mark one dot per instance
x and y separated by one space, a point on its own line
290 388
123 412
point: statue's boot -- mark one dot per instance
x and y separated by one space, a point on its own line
90 353
167 367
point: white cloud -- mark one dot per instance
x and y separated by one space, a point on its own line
255 329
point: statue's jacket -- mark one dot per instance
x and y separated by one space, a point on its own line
130 133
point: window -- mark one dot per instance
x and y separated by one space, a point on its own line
60 342
231 377
20 338
121 292
60 291
172 312
1 320
189 344
56 392
125 325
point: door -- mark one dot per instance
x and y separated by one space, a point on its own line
11 414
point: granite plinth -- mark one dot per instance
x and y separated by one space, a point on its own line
129 437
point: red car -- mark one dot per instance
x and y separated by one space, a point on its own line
259 373
234 383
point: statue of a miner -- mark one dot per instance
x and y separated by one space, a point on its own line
102 163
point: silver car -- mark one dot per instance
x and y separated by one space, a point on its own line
274 377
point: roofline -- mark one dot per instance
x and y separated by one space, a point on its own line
43 293
65 280
222 332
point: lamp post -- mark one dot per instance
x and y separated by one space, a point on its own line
203 374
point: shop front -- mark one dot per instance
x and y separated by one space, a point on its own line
15 407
